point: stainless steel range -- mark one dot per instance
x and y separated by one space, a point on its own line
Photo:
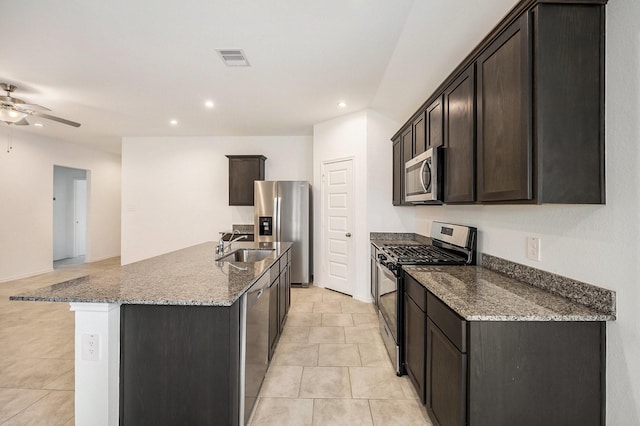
450 245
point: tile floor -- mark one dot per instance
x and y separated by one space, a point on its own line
330 367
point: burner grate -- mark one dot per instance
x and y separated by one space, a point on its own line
422 254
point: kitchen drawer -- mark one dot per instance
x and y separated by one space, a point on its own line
450 323
415 291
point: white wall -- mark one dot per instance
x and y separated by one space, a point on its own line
26 202
596 244
175 189
365 137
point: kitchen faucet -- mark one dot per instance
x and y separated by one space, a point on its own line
220 248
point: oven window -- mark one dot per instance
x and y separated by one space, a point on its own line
387 299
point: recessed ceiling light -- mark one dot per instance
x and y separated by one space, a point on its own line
38 125
342 104
173 122
208 104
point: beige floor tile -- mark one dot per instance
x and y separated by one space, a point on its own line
298 307
334 296
325 382
64 382
352 412
400 413
282 381
408 388
326 335
292 334
32 373
283 412
296 354
365 319
12 401
375 383
327 307
56 408
362 334
305 295
338 355
302 319
374 355
357 307
337 320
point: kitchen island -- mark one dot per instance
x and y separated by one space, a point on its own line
164 340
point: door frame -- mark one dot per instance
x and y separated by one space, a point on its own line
351 273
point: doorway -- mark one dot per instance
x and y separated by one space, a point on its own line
69 215
337 225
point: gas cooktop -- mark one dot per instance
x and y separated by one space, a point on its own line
450 245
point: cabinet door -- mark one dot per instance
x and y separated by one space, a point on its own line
435 123
415 349
504 116
419 135
407 154
243 171
446 379
282 300
459 136
398 172
274 320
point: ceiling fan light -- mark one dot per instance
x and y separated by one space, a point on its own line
11 116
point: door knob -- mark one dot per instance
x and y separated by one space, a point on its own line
348 235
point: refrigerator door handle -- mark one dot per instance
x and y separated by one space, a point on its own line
278 232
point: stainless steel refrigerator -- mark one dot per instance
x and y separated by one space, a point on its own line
282 213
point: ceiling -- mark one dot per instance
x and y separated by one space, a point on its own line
125 68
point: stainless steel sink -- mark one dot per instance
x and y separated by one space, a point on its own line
246 255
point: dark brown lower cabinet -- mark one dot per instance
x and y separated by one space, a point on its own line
415 320
274 320
502 373
446 379
179 365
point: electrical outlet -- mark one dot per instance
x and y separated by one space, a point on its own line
91 347
533 248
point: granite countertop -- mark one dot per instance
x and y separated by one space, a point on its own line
479 294
190 276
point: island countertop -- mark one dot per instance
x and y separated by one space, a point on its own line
189 276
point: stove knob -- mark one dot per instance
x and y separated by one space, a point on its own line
392 266
382 257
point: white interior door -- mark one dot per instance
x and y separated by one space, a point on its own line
337 220
79 217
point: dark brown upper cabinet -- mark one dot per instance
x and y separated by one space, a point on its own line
407 154
459 137
540 108
536 111
243 171
398 172
504 116
420 143
435 124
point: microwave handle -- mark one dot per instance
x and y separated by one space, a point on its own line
424 164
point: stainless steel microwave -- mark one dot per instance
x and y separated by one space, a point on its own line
423 177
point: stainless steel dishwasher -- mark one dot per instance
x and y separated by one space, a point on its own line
255 344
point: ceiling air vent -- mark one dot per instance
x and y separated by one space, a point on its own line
233 57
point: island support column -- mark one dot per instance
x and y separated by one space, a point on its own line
97 363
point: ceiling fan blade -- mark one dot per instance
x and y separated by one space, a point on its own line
54 118
22 122
32 107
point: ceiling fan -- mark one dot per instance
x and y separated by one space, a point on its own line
15 111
